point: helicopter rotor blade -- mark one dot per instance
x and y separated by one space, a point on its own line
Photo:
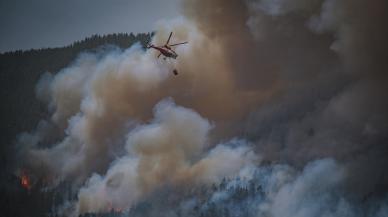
178 44
169 37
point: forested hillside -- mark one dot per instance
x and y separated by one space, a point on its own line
20 71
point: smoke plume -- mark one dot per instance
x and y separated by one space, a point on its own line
291 93
165 151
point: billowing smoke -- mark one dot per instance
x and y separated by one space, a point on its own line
281 191
166 151
265 91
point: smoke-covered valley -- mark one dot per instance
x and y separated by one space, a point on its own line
279 109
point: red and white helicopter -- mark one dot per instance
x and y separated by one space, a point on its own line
166 50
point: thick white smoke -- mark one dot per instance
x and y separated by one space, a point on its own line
82 103
316 190
169 150
296 80
99 98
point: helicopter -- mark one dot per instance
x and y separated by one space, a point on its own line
166 50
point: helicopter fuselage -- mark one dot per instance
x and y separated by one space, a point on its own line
165 51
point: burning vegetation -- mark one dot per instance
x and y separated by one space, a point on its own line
296 84
25 181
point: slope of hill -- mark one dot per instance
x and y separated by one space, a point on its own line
21 111
20 71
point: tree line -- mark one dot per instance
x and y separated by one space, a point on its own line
21 111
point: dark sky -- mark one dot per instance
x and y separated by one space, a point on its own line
28 24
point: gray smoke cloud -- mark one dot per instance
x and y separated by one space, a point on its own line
300 84
166 151
344 117
315 190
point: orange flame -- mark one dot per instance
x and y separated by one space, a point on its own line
25 181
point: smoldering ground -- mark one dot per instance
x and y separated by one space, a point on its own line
296 81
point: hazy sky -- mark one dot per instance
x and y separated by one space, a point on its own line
28 24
